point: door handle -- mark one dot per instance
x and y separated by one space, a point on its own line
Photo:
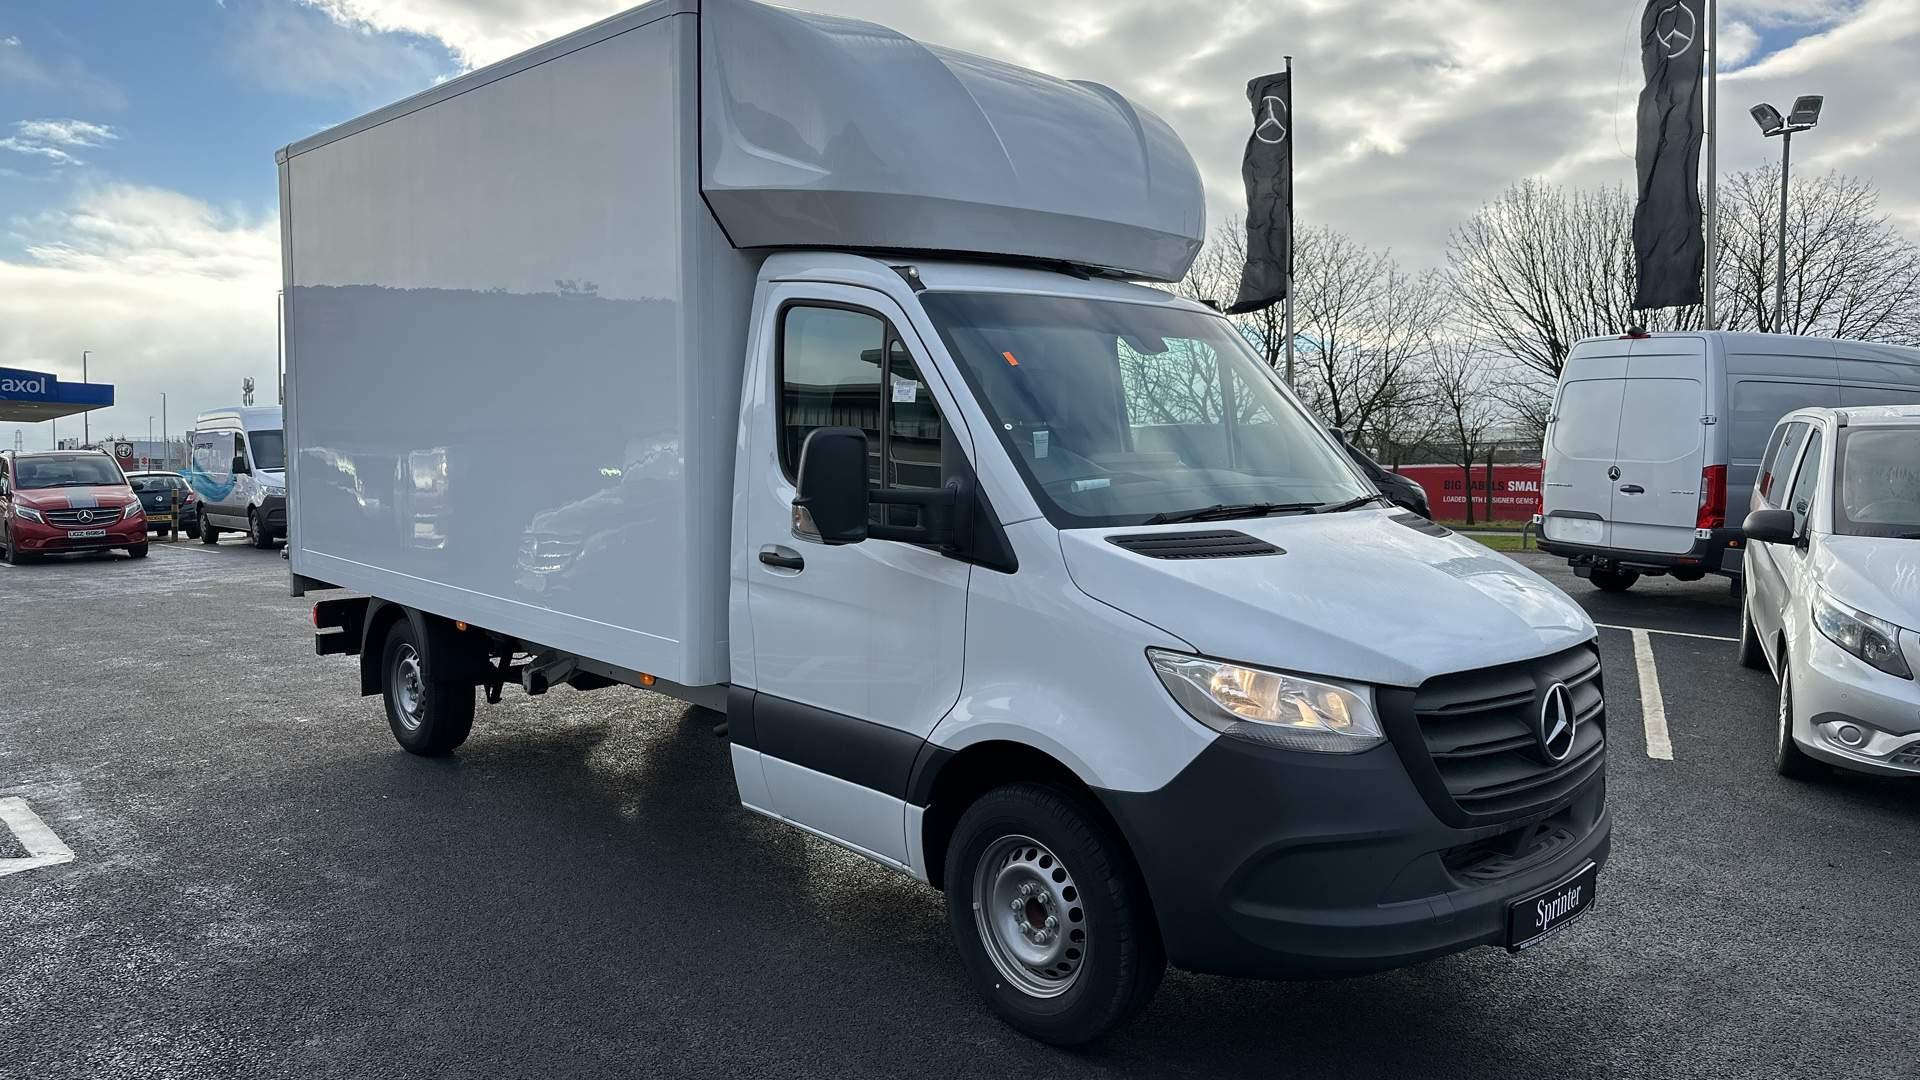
1632 489
784 558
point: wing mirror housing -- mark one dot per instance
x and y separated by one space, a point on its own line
1771 527
832 502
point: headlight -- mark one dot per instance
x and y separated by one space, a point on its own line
28 513
1874 640
134 509
1269 707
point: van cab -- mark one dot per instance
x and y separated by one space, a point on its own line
238 470
1651 436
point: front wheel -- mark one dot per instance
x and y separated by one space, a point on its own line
1614 581
1751 654
257 533
428 717
1788 759
208 534
1050 915
137 551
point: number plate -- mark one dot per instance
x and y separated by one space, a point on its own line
87 534
1575 530
1536 917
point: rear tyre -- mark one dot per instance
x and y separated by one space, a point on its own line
257 533
1788 759
209 534
1752 656
1614 581
428 717
137 551
1050 915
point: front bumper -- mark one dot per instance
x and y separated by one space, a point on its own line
36 539
1717 554
1834 690
1270 863
273 512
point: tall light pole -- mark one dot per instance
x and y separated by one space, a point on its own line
84 436
1805 116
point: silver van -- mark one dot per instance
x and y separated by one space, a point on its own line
1650 433
238 467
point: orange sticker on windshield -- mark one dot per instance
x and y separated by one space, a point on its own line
1011 362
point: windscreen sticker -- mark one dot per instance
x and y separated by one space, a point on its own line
1011 362
905 391
1040 440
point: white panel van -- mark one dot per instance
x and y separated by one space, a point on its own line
1650 433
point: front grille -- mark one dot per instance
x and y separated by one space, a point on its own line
96 517
1908 755
1501 857
1479 757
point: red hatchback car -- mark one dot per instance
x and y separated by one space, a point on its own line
57 501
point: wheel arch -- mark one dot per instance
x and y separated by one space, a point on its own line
452 656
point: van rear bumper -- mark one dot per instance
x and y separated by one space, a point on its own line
1280 864
1711 555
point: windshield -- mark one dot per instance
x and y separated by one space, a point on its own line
1879 483
1121 413
78 471
269 449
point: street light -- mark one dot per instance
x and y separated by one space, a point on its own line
1805 116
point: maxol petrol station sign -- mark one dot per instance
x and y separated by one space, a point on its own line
32 396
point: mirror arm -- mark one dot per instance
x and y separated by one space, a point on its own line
941 512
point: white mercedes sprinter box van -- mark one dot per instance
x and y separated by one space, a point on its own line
1651 434
797 369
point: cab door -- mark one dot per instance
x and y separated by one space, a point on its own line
856 650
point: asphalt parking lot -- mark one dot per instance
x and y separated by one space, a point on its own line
263 884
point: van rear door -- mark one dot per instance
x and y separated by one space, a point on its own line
1662 446
1577 494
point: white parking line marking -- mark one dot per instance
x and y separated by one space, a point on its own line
43 848
1653 707
1669 633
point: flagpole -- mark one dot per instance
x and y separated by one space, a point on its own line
1293 129
1713 163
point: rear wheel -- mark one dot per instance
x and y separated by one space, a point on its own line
1788 759
208 534
137 551
1615 581
1050 915
428 717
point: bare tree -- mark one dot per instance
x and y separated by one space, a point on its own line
1363 324
1849 272
1541 267
1461 382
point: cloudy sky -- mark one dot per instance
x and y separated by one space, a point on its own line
138 214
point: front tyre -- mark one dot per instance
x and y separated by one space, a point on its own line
257 533
428 717
137 551
1751 654
1788 759
1050 915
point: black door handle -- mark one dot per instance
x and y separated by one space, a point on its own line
1632 489
782 558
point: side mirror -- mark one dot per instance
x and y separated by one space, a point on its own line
1771 527
240 467
137 485
830 500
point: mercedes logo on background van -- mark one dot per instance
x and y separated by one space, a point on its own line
1557 723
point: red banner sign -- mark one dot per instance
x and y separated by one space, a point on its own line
1516 491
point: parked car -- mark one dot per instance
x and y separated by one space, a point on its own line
1404 491
55 502
1833 593
1653 436
238 468
160 491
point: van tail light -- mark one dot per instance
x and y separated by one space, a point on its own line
1540 490
1713 498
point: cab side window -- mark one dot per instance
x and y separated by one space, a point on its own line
239 455
1805 482
1778 463
844 368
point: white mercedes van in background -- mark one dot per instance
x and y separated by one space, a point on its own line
788 366
1653 436
237 465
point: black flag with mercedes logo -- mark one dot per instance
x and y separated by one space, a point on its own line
1268 172
1667 236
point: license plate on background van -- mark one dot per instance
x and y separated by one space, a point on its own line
1538 916
87 534
1575 530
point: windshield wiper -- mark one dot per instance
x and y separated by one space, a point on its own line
1228 511
1350 504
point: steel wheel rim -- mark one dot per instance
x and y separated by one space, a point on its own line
1030 916
409 687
